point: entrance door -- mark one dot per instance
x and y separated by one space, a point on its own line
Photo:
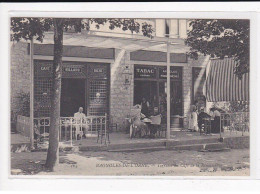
72 96
176 97
147 90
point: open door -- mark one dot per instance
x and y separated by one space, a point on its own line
72 96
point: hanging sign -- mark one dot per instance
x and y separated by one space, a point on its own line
145 72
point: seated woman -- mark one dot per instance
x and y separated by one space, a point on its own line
137 127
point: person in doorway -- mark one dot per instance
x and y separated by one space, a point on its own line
145 107
193 119
80 116
216 122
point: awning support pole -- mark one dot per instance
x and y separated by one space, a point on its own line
168 93
31 96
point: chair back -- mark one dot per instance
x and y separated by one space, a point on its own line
135 114
156 120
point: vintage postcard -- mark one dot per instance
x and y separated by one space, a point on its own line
129 96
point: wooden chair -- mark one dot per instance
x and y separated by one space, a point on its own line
206 126
162 130
104 131
111 124
156 123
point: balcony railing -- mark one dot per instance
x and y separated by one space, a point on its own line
235 122
72 128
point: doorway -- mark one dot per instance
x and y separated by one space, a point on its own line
72 96
147 90
176 97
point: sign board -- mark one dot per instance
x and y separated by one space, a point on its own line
45 68
145 72
42 69
71 69
98 71
175 73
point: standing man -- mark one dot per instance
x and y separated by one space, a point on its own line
145 107
80 116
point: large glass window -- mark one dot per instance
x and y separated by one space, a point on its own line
150 83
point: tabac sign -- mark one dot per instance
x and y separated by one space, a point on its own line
145 72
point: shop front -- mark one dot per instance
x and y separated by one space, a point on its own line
150 83
83 85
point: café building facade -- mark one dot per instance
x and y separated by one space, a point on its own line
110 79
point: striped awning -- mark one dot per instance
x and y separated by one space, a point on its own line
223 85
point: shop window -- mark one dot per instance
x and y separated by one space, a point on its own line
42 97
98 94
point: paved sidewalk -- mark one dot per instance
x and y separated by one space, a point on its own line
123 138
159 163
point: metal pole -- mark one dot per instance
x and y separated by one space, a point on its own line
71 132
168 93
220 125
31 95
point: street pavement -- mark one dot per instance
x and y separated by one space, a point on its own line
157 163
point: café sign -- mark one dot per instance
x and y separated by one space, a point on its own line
45 68
72 69
145 72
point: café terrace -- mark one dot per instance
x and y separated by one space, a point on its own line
108 74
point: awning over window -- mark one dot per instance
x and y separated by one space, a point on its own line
223 85
118 41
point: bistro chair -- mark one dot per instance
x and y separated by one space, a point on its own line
111 124
156 123
206 125
103 131
162 130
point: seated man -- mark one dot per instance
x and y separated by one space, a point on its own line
80 125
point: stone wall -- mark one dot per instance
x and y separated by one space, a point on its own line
121 95
20 72
186 92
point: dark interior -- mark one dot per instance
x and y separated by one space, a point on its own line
72 96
